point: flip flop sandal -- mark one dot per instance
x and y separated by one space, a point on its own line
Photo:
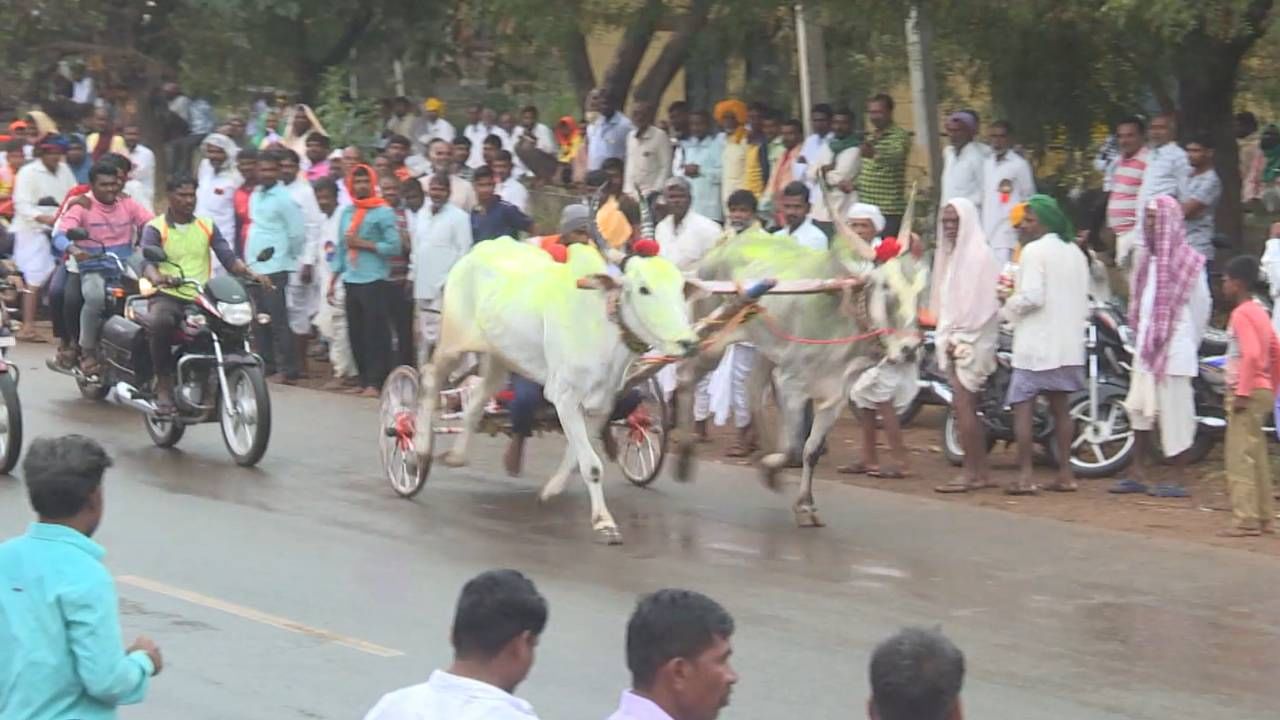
956 488
1128 487
1022 490
857 469
888 474
1169 490
1062 487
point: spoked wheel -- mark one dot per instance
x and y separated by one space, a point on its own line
92 390
642 437
1104 445
952 448
397 421
246 420
164 432
10 423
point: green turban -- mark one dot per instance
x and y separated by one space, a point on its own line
1051 217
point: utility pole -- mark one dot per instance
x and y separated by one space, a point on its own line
924 91
802 53
811 52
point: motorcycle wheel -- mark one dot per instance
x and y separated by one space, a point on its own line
1201 446
93 391
1104 447
10 424
164 433
951 446
246 425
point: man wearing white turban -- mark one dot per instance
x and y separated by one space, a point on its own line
217 182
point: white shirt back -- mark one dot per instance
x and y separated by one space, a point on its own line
450 697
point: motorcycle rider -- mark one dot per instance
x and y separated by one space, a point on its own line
112 222
187 241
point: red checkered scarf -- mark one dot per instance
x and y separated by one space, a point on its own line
1178 267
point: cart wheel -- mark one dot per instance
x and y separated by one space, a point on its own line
642 436
396 421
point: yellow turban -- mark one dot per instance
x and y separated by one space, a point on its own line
736 108
434 104
613 224
1017 213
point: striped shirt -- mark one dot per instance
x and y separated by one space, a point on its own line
882 179
1126 181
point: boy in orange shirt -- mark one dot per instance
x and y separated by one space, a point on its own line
1253 369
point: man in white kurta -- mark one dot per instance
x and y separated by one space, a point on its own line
838 162
962 161
1006 181
648 161
684 235
441 236
48 177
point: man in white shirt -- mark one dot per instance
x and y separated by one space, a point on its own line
483 123
508 187
1167 164
820 120
1167 345
795 210
441 236
48 177
499 618
331 320
1048 309
434 126
607 134
218 181
679 643
531 134
302 297
684 235
838 161
144 165
461 192
648 155
1006 181
962 160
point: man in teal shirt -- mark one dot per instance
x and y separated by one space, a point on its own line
61 652
276 222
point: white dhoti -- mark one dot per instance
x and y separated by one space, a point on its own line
727 389
973 354
303 302
896 382
34 256
1169 402
428 319
331 321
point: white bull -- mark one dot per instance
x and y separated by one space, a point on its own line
813 362
571 327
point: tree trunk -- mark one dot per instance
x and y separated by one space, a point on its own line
635 43
578 62
674 54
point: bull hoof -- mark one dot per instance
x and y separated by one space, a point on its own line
771 467
454 459
684 463
608 535
807 517
550 491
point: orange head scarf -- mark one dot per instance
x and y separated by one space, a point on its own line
736 108
362 205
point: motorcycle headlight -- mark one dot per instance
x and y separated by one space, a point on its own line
235 313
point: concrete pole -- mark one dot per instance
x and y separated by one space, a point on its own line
802 55
812 54
924 92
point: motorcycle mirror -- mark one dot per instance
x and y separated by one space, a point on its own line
154 254
77 234
266 254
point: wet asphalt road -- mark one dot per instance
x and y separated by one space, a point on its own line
223 566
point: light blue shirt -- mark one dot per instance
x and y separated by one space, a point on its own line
276 221
607 139
61 651
706 154
379 227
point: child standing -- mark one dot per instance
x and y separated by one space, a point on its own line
1253 368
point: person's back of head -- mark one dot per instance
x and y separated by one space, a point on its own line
496 626
916 675
64 480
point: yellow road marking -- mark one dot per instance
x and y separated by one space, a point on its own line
249 613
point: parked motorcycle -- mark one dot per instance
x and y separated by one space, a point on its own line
1103 441
930 373
10 404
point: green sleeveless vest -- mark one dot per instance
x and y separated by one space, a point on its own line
188 247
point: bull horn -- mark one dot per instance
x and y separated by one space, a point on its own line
593 228
861 247
646 216
908 217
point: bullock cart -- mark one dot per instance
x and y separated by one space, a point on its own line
639 440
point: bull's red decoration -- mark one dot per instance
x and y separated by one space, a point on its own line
645 247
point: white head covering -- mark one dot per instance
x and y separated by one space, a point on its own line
965 274
228 145
867 211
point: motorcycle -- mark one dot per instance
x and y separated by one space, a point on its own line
10 404
930 373
218 378
1103 441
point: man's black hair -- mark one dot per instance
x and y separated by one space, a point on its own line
493 139
119 162
1005 125
411 184
794 123
702 114
884 99
176 182
1247 119
613 163
288 154
743 198
1243 268
670 624
462 140
484 172
1133 120
103 168
61 473
795 188
324 183
1204 140
916 675
399 140
248 154
845 111
496 607
274 155
319 137
757 106
504 155
824 108
677 106
529 108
